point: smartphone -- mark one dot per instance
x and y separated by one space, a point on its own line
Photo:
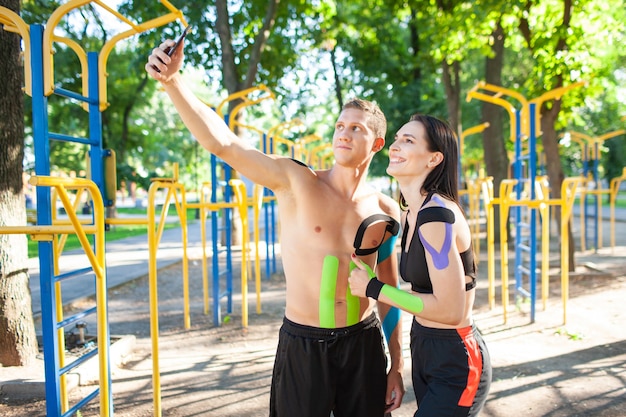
170 50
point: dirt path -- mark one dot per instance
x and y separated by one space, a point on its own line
540 369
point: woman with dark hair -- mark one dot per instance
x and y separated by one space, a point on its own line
451 368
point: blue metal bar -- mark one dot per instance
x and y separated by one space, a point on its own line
523 291
68 138
96 152
532 154
74 318
97 176
79 361
74 273
44 217
80 404
228 197
217 317
519 187
70 94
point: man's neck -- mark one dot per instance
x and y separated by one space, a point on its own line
349 182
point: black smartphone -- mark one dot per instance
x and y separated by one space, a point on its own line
171 49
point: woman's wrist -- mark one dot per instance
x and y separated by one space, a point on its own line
373 288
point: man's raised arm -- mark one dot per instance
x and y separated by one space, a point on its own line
207 126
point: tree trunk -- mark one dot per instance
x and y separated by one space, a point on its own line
18 340
232 73
554 168
452 84
496 158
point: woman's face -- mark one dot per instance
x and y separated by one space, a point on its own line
409 154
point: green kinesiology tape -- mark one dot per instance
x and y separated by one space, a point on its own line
328 287
406 301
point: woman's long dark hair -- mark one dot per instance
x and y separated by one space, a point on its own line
443 179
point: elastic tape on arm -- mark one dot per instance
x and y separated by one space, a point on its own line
390 322
406 301
386 249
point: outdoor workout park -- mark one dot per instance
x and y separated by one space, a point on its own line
526 208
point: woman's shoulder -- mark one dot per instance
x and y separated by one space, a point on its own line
438 200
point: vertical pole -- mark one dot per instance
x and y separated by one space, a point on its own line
532 170
44 217
97 176
519 188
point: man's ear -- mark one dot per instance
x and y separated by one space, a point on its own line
379 143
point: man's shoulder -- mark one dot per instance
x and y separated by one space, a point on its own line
389 205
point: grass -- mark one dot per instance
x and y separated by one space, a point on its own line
116 232
144 212
620 201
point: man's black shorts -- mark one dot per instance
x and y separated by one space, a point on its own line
322 370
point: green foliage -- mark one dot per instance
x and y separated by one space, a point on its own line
389 51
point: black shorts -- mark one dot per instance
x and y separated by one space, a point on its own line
451 371
317 371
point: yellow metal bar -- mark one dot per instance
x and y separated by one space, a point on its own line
506 189
205 190
154 302
279 140
108 47
581 139
182 215
543 193
315 154
48 38
495 99
281 127
489 201
137 221
242 95
257 203
154 237
610 135
35 230
239 189
554 94
249 102
97 260
470 131
568 194
82 57
500 102
12 22
614 191
61 11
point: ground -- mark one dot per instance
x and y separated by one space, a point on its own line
545 368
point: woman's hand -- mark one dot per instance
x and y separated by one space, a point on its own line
359 278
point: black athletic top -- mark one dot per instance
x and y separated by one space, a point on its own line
413 266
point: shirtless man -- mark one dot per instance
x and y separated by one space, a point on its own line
330 354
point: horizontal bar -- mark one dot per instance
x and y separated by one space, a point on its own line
70 94
82 403
74 318
68 138
72 274
80 360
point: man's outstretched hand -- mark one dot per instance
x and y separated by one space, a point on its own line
161 66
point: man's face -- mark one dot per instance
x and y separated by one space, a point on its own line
353 140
